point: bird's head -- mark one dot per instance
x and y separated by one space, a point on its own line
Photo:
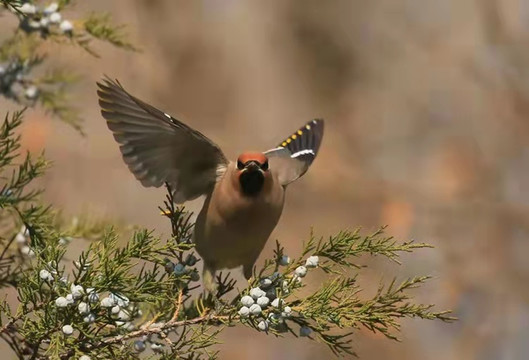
252 170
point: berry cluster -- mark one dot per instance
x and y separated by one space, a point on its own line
183 268
89 306
22 239
87 301
265 303
92 306
154 340
43 20
13 81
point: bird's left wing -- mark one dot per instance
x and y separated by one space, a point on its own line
293 157
157 147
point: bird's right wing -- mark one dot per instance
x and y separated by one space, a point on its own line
157 147
293 157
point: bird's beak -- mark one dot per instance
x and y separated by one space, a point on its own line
252 166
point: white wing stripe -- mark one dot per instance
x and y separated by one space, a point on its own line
302 152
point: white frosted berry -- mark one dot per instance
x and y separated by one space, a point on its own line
85 357
123 301
301 271
67 330
305 331
55 17
108 302
34 24
139 345
277 302
20 239
263 301
83 308
31 92
285 260
312 261
123 315
287 310
247 301
70 299
265 283
244 312
77 291
26 250
66 26
51 8
115 309
28 9
156 347
263 325
255 309
45 275
93 297
61 302
256 293
90 318
119 299
120 323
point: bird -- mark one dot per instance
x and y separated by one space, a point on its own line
244 198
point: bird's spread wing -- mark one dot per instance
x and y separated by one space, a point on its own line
158 148
292 158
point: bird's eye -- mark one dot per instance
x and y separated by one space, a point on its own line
240 165
265 165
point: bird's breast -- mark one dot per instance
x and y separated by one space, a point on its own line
243 211
232 226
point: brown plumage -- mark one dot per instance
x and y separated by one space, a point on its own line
244 199
232 228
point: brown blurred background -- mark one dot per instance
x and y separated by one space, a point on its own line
427 106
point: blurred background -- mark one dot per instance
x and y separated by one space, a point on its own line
427 107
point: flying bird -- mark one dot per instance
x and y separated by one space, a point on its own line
244 198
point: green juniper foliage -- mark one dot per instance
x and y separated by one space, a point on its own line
145 299
21 53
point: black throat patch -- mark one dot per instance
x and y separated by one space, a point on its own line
251 182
